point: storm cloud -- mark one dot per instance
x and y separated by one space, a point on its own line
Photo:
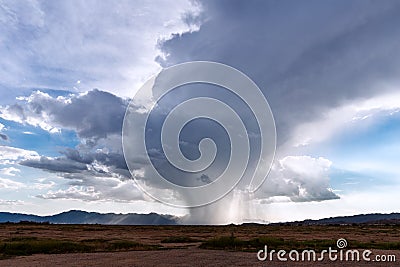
316 62
94 114
306 57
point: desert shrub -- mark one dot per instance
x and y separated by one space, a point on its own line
375 245
124 245
224 242
234 243
29 247
179 239
24 246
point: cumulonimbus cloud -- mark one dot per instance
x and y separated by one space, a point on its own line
101 154
304 69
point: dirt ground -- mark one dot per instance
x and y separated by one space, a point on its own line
189 254
176 257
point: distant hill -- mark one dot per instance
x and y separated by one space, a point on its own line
83 217
374 218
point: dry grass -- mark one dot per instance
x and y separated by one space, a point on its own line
27 239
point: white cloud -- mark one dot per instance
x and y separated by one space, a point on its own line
97 189
10 171
103 44
1 127
352 114
306 166
300 178
10 184
73 192
381 199
41 185
10 155
11 202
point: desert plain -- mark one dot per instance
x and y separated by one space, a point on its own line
33 244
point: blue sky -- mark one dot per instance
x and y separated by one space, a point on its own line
329 69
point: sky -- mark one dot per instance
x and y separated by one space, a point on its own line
329 70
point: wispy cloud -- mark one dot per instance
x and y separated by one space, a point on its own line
102 44
11 202
10 171
342 118
12 155
97 189
10 184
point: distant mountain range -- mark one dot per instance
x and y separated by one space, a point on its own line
83 217
374 218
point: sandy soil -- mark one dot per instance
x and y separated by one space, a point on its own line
176 257
154 234
188 254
